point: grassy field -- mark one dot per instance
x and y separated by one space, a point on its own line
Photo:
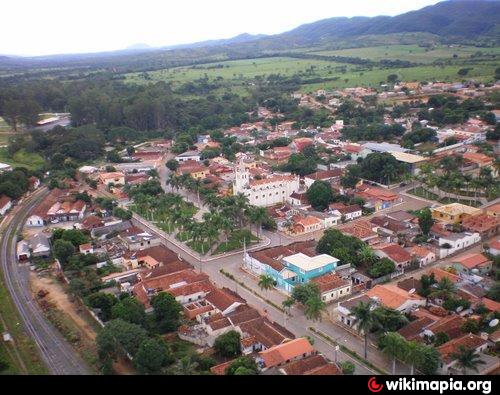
373 78
22 357
22 158
239 75
413 53
5 131
235 72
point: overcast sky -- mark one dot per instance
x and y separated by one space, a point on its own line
36 27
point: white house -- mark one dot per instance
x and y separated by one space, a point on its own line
423 255
457 241
37 245
86 249
495 248
349 213
5 204
189 155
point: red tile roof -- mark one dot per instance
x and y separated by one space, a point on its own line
470 342
415 328
330 282
282 353
391 296
266 332
450 325
472 261
395 253
221 299
439 274
220 370
481 223
312 365
4 200
325 174
490 304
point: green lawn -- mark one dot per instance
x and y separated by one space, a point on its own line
200 248
22 158
235 241
182 236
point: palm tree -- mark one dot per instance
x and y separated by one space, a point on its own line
211 233
313 308
468 359
213 201
241 205
185 366
364 317
443 289
392 346
198 235
412 355
266 282
390 172
366 254
175 182
258 215
226 225
196 184
287 305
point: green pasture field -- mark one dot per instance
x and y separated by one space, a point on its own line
414 53
372 78
235 71
239 75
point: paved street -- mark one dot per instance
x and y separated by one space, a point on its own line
298 323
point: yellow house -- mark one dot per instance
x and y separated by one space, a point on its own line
195 170
453 213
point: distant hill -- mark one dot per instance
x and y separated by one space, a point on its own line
457 21
138 46
242 38
458 18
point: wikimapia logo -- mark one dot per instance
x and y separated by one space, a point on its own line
404 384
373 386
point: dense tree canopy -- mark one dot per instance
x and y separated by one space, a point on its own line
320 195
228 344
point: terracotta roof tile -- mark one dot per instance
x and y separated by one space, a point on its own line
470 342
282 353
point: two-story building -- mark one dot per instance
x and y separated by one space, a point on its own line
453 213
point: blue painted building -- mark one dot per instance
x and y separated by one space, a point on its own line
292 270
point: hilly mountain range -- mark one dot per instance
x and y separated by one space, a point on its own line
459 18
455 21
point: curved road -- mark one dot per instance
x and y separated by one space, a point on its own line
58 355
